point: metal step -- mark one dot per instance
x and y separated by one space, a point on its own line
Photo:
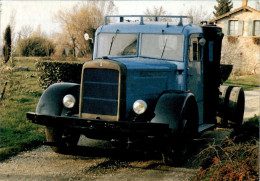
206 127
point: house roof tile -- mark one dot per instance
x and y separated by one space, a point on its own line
233 12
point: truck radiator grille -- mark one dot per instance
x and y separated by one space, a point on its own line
100 91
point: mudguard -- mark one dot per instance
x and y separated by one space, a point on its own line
50 102
169 109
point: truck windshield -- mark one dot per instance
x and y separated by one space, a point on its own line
115 44
166 46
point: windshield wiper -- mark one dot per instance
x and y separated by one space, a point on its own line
112 41
164 47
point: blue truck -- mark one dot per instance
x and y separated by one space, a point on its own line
154 80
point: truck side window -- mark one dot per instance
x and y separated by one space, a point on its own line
194 50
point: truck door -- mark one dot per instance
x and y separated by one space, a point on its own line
194 79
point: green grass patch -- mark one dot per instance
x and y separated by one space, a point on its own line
248 82
21 95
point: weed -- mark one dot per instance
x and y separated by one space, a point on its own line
233 159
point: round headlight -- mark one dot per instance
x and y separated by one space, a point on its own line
139 106
69 101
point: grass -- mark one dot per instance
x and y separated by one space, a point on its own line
248 82
21 95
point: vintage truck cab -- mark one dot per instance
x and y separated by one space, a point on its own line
148 80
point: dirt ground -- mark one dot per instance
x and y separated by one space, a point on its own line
98 160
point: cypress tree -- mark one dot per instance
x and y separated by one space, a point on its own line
7 44
223 7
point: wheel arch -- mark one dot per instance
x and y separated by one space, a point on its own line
170 107
50 102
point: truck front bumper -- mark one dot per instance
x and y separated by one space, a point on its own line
101 128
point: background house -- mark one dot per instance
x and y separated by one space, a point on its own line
241 45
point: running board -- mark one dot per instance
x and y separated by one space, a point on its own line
206 127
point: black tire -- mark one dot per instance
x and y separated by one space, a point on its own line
231 108
179 145
64 145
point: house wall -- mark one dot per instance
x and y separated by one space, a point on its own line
242 51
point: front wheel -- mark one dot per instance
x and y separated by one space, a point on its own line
179 145
64 140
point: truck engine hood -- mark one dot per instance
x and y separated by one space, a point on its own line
147 79
146 64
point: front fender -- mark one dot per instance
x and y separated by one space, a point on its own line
50 102
169 109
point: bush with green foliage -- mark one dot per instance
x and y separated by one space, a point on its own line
35 46
50 72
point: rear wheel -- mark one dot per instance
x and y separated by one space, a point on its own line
64 140
179 145
231 109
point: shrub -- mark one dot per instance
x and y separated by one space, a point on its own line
7 43
230 161
234 159
50 72
256 40
35 46
248 131
232 39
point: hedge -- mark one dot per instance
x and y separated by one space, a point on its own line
50 72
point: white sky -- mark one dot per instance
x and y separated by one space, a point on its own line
40 12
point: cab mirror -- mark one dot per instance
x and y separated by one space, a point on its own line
86 37
202 42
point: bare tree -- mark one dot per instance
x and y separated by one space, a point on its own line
199 14
83 18
156 11
12 23
26 31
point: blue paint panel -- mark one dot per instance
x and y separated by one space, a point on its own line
211 43
147 79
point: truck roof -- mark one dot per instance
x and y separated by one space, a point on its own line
142 26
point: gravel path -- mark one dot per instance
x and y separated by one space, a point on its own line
98 160
252 100
95 163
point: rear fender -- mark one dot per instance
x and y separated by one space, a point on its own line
50 102
169 109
